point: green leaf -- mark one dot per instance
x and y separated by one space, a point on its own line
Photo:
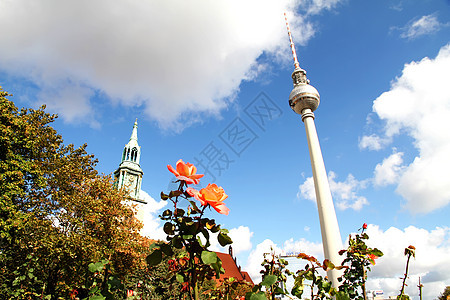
342 296
194 206
279 291
167 213
297 290
218 268
326 285
376 252
97 297
309 275
97 267
215 228
177 242
169 228
154 245
166 249
174 194
224 239
269 280
328 265
209 257
164 196
154 258
178 212
258 296
114 283
180 278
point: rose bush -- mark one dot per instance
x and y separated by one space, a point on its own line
189 230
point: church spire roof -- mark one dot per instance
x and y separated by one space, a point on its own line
132 150
134 132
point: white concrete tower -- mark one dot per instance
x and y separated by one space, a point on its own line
304 99
129 174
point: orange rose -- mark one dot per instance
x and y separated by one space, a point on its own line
212 195
186 172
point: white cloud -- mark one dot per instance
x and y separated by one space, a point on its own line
396 6
72 101
418 27
373 142
148 214
303 245
179 60
344 192
389 170
418 104
317 6
240 236
432 259
306 190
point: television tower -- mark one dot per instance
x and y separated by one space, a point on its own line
304 99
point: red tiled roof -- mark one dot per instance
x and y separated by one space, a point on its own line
247 277
231 269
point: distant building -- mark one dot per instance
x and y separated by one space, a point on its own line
129 174
231 268
378 295
375 295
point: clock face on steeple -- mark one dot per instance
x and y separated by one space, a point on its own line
129 178
131 181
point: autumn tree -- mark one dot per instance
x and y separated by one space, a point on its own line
445 294
57 214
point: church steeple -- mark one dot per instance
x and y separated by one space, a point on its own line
129 174
132 150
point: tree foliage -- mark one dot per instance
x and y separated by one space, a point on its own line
57 214
445 294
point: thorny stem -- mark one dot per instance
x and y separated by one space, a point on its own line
364 282
406 276
203 211
180 188
420 286
313 281
271 273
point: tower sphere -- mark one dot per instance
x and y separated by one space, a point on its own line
304 96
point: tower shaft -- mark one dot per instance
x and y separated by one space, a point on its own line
331 236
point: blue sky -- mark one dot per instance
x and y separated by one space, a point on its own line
214 78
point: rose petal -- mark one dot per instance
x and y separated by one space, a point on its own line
172 170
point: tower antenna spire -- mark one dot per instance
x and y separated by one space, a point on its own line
294 54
